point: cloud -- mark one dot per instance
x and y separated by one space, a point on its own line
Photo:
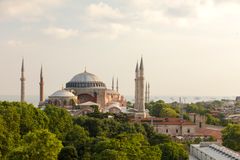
104 21
14 43
103 11
61 33
26 10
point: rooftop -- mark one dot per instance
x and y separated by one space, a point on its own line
217 152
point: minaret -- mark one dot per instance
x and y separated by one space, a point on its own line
117 85
22 83
141 88
146 93
41 83
136 87
113 83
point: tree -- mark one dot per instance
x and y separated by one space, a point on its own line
68 153
212 120
161 109
9 129
151 153
156 139
231 136
110 154
40 145
32 118
79 138
173 151
60 121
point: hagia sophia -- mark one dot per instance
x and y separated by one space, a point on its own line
85 93
86 90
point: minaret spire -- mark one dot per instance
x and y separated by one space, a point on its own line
141 87
141 65
41 83
136 87
146 93
117 88
113 83
139 91
22 79
148 96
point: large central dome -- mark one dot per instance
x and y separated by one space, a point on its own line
85 80
85 77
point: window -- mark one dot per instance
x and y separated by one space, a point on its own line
166 130
176 130
188 130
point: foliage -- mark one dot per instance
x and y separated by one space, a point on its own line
28 133
212 120
68 153
60 121
231 136
173 151
40 144
79 138
196 108
31 118
161 109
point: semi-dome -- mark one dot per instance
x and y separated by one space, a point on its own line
85 80
62 93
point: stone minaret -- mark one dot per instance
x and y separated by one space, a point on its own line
136 87
22 83
148 93
41 83
113 83
117 88
141 88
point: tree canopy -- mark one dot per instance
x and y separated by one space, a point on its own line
28 133
231 136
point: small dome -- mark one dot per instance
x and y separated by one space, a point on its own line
85 77
62 93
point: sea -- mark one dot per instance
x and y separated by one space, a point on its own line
33 99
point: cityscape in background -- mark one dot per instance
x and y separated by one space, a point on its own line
34 99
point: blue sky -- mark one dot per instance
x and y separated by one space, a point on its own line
190 47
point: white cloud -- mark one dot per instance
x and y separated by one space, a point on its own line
26 10
102 10
61 33
14 43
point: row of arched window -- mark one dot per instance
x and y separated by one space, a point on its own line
85 84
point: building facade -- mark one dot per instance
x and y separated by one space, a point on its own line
85 90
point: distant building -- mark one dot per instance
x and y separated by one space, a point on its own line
238 98
172 126
211 151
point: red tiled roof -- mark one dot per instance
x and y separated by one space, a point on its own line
209 132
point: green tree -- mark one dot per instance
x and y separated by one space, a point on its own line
173 151
110 154
79 138
60 120
151 153
40 145
156 139
231 136
68 153
9 129
32 118
161 109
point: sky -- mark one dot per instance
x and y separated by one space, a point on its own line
189 47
